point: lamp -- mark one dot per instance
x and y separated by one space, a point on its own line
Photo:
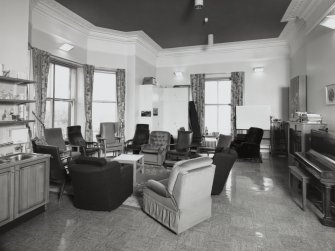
178 74
258 69
198 4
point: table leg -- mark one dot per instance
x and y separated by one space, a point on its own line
134 173
142 165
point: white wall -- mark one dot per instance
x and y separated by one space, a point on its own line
316 59
267 88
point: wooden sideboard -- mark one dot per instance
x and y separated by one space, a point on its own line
24 185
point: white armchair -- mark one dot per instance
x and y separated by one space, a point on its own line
184 199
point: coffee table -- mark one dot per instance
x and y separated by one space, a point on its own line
131 159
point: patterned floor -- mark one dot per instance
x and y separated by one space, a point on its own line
254 212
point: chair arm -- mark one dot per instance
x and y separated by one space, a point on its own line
158 188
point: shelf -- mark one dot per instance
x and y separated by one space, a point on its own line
16 80
6 123
16 101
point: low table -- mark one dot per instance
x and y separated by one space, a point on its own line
131 159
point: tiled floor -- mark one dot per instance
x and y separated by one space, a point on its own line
254 212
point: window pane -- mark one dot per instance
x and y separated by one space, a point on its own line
50 81
104 86
102 112
62 115
211 92
224 119
211 118
62 82
48 115
224 92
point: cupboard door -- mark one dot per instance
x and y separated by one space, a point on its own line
6 196
30 187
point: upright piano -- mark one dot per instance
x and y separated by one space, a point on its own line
319 164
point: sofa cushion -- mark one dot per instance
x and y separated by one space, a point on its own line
151 148
184 166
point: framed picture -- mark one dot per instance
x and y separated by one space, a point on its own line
145 113
155 111
330 94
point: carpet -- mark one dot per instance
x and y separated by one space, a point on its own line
150 172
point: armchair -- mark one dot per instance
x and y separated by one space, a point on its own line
155 152
99 184
54 137
247 145
181 149
58 172
141 137
107 139
76 140
183 200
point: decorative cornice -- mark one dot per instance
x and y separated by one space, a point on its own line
224 47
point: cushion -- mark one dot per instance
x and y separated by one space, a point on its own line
91 161
184 166
151 148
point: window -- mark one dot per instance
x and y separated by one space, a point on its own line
59 97
217 106
104 107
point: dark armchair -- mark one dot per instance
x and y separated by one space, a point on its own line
181 149
100 185
76 139
54 137
141 137
58 172
247 145
224 161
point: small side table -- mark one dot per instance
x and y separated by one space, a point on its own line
296 173
131 159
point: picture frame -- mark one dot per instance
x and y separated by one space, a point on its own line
330 94
155 111
145 113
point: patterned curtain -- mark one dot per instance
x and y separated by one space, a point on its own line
198 96
41 65
237 89
88 92
121 99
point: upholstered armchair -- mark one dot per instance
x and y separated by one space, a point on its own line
155 152
247 145
76 139
107 139
141 137
183 200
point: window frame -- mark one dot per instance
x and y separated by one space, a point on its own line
217 105
70 100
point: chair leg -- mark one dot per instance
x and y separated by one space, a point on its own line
61 191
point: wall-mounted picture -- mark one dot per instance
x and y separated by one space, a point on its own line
145 113
155 111
330 94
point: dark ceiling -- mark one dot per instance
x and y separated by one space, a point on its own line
175 23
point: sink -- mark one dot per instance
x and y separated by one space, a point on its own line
20 156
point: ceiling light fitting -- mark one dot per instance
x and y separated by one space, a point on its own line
66 47
258 69
329 22
198 4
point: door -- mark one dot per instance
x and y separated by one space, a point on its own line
6 195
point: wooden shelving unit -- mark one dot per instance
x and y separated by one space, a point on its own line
16 101
16 81
14 122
